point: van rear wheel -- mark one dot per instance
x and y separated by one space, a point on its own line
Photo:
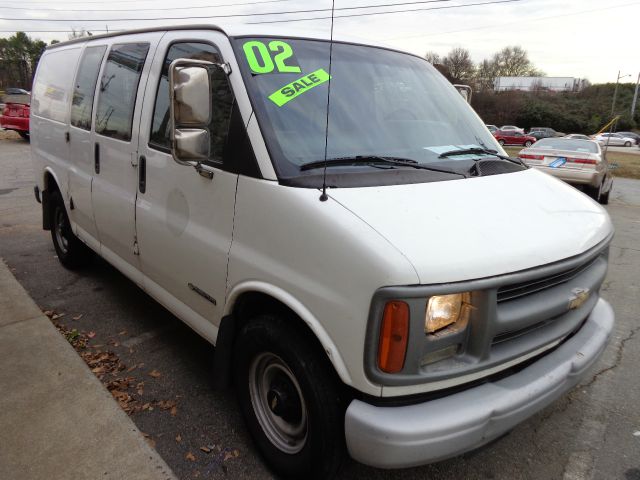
290 398
71 252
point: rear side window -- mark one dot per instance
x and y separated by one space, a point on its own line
52 88
85 86
118 89
222 98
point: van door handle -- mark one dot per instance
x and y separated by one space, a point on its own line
96 157
142 174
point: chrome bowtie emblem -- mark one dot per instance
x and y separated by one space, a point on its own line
578 297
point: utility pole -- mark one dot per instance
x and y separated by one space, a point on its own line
615 93
635 98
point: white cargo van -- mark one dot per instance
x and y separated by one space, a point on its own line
436 296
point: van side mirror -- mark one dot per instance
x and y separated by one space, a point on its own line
465 91
191 104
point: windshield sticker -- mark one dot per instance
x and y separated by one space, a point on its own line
298 87
277 57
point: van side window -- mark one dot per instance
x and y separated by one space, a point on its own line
52 89
85 86
223 99
118 89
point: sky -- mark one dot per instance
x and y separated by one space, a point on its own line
591 39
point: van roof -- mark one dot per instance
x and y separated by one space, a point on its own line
239 30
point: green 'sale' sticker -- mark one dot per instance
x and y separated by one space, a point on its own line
298 87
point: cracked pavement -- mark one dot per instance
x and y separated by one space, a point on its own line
588 434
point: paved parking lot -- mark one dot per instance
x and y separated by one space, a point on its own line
592 433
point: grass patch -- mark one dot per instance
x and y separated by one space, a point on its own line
628 164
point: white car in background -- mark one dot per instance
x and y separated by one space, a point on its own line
615 140
511 128
581 163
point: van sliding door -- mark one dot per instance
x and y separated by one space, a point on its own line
120 97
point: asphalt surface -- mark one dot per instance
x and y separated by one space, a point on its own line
594 432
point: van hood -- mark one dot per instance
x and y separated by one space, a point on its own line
480 227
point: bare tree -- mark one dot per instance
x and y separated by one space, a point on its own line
514 62
459 64
432 57
485 75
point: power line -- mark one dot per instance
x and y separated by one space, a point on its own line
138 9
524 20
235 15
388 12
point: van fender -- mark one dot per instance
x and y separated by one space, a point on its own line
299 309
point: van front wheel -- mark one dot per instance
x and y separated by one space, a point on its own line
71 252
290 399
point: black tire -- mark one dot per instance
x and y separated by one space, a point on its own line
71 252
627 144
24 135
528 143
604 197
313 408
501 142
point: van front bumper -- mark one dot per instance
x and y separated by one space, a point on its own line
406 436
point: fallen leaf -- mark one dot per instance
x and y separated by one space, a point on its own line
178 438
190 456
151 442
57 316
48 313
123 332
154 373
91 334
77 317
205 449
174 410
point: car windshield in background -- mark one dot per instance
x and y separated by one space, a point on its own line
576 145
383 103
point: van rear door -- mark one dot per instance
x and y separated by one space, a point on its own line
120 97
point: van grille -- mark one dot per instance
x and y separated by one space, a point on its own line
510 292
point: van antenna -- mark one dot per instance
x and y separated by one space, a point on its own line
324 197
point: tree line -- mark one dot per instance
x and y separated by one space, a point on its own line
584 111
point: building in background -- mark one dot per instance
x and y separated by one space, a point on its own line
530 84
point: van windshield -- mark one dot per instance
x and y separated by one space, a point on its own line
383 103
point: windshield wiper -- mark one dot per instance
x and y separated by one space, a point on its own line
479 151
373 159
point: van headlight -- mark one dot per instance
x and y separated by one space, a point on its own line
446 310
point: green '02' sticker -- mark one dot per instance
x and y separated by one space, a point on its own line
298 87
277 56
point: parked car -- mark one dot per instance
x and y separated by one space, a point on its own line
633 135
376 300
16 91
514 138
15 116
576 161
578 136
542 132
511 128
491 128
615 140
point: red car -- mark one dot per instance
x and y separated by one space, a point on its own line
16 117
514 138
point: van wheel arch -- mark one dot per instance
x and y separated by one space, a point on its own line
248 306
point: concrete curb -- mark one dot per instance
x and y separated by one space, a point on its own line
57 421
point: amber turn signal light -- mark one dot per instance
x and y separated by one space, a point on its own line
394 335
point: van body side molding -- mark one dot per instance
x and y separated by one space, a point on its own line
202 293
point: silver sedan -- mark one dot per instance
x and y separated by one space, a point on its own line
581 163
615 139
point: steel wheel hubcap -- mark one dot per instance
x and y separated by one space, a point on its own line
60 224
278 403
